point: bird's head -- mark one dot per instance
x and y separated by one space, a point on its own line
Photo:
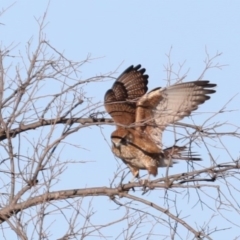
121 137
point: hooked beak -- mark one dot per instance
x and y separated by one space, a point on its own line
116 142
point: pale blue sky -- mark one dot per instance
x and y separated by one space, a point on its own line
122 33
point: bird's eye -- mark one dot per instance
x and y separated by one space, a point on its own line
124 141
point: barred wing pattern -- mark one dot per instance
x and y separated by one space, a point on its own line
176 102
120 100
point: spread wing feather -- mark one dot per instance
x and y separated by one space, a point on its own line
175 102
120 100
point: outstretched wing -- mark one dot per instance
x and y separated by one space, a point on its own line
120 100
160 107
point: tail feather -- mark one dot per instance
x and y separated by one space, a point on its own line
180 153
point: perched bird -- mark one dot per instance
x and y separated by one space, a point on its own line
141 118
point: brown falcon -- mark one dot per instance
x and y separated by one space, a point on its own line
141 118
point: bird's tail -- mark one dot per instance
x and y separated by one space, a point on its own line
179 153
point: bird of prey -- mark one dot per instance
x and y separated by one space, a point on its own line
141 118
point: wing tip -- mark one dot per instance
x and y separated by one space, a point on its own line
205 84
137 67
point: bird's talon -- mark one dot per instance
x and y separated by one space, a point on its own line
143 182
